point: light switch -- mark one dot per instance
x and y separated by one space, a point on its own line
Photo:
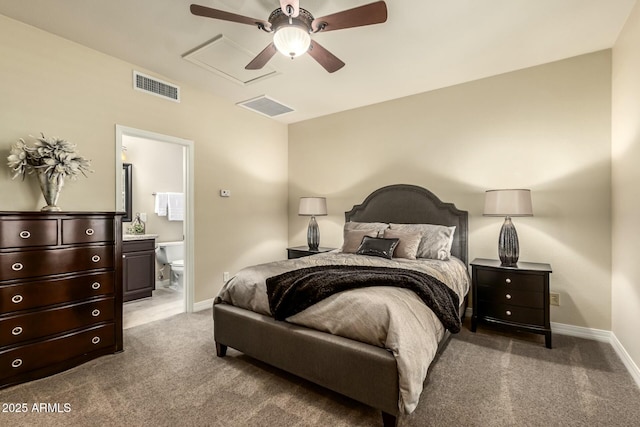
143 217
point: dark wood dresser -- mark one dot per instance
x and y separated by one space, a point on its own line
513 297
60 291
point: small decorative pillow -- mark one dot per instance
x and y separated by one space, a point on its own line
376 246
353 238
408 244
436 239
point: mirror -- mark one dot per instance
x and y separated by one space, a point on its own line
126 192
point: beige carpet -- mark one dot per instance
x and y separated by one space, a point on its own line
168 375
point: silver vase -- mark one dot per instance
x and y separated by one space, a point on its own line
50 191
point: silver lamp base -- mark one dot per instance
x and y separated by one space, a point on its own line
508 247
313 234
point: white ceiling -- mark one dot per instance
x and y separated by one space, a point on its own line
424 45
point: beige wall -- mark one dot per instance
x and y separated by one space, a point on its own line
626 187
61 88
546 128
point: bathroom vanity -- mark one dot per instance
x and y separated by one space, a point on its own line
138 266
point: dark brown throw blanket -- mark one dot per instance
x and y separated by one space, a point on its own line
291 292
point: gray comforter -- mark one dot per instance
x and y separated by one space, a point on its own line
388 317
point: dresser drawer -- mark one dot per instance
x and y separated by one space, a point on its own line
24 233
86 230
511 296
507 279
35 294
29 357
511 313
54 321
18 265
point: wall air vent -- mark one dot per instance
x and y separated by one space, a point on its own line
156 87
265 106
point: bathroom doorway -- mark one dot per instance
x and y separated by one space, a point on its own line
160 165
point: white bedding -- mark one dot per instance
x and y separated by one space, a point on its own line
388 317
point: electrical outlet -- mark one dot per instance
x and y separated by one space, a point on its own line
225 276
554 298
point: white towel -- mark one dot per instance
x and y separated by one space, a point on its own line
162 201
176 206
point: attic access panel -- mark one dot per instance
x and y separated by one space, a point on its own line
227 59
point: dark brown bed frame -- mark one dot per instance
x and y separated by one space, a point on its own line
360 371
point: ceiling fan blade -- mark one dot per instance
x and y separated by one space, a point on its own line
372 13
208 12
328 60
295 4
263 57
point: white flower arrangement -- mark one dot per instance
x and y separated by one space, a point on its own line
55 157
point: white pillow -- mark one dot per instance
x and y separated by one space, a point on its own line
379 227
436 240
353 239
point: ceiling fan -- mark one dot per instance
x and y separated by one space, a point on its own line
292 27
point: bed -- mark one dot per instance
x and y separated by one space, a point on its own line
365 371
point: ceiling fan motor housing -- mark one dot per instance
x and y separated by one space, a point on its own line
292 34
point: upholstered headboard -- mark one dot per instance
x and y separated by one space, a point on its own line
410 204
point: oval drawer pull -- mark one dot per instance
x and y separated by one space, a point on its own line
16 363
95 340
25 234
95 285
17 330
17 266
508 281
95 313
89 231
16 299
95 258
508 296
508 312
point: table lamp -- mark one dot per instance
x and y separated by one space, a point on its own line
313 206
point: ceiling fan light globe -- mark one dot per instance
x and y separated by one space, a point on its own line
292 40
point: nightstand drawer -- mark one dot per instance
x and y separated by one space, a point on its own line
512 313
511 280
511 296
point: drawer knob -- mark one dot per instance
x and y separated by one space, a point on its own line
17 266
95 258
89 231
25 234
95 340
95 313
16 299
17 330
508 296
95 285
16 363
508 313
508 280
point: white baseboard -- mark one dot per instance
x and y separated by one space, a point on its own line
603 336
203 305
626 359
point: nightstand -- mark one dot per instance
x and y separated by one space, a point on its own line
301 251
513 297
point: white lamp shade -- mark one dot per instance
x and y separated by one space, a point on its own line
312 206
292 40
508 203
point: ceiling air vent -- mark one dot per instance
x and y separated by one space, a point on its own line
156 87
265 106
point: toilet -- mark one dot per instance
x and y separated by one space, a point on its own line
172 253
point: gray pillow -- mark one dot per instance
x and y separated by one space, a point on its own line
353 238
436 240
408 243
375 246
